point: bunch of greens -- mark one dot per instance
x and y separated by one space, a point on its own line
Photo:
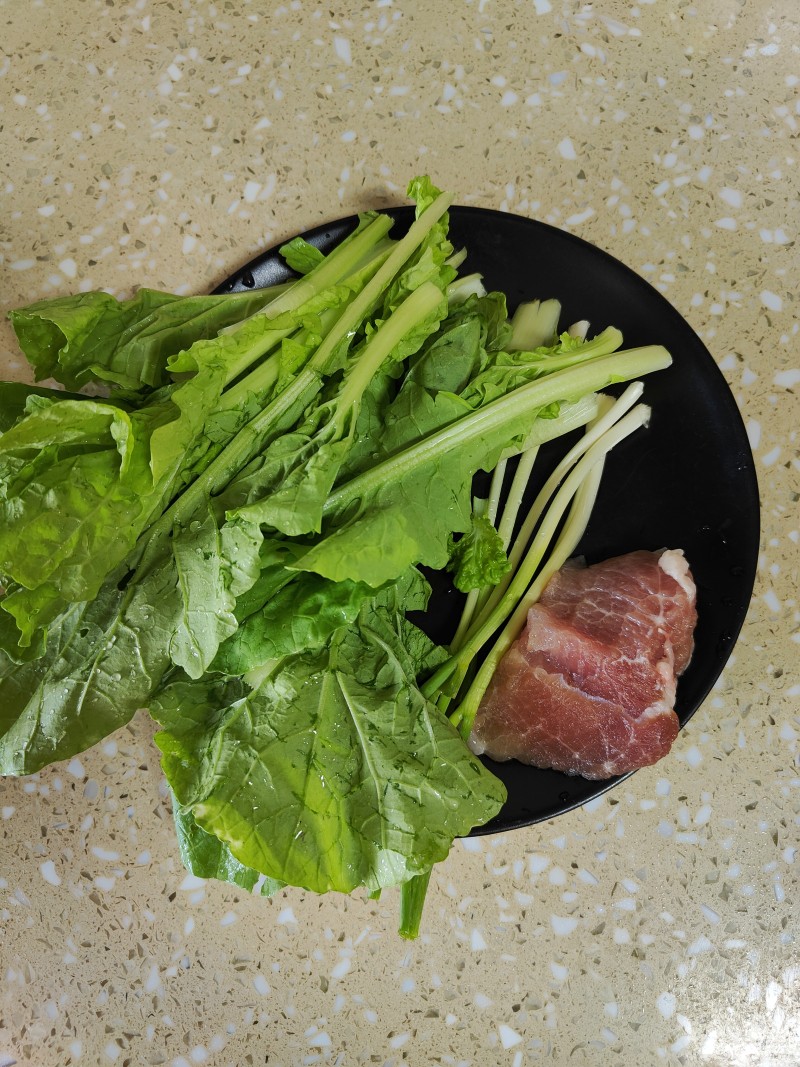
235 535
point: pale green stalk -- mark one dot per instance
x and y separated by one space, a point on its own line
461 288
346 269
471 605
266 374
515 494
572 415
579 329
496 489
563 385
352 315
533 324
574 529
476 598
339 262
412 900
416 307
457 258
485 627
611 411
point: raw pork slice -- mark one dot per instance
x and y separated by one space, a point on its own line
589 686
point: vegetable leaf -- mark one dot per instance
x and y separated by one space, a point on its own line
301 615
102 662
334 773
478 558
300 255
207 617
32 610
105 658
93 337
15 396
205 856
75 491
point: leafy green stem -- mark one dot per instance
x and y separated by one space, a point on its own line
360 306
602 345
412 902
518 485
610 412
496 489
358 270
477 598
417 307
258 381
533 324
514 604
335 266
580 512
527 399
245 445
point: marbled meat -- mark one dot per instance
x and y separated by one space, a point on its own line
588 688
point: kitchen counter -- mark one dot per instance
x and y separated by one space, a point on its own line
164 144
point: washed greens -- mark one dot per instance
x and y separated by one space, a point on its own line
236 534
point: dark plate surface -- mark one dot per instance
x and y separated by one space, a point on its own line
688 481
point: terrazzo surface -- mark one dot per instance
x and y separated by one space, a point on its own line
163 144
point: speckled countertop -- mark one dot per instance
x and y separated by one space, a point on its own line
162 143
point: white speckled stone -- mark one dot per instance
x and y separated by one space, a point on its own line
161 143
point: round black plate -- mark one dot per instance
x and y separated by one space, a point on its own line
688 481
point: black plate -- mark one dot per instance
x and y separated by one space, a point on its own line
688 481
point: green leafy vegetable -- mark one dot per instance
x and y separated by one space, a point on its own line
300 255
301 615
303 466
103 660
356 778
207 857
14 397
95 338
75 490
478 558
233 539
